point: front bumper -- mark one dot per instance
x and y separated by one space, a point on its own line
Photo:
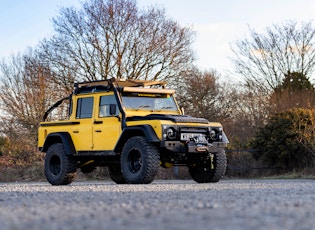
192 147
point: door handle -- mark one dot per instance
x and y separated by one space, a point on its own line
98 131
98 122
75 131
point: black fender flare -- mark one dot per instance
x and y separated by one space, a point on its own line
139 130
60 137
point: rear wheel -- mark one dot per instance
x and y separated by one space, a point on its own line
60 168
207 171
139 161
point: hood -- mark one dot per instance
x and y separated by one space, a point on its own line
169 117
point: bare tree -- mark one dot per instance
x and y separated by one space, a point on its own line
296 91
203 95
199 94
113 38
238 108
264 59
250 113
27 90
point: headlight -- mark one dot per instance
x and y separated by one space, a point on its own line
213 134
216 134
171 133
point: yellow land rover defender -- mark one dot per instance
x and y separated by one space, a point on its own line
133 127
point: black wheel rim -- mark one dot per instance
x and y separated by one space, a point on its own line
134 160
55 165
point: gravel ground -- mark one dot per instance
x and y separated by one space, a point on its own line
229 204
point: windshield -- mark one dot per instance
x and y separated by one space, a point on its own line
153 102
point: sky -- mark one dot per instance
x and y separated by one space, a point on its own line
218 23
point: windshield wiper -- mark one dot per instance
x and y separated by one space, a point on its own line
165 107
143 106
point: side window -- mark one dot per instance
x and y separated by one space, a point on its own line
105 106
85 107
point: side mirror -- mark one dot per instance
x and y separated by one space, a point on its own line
112 109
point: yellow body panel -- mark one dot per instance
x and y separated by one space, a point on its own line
82 135
88 134
155 124
105 135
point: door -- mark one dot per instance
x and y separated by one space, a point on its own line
107 124
82 133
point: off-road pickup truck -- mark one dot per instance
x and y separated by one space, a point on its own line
133 127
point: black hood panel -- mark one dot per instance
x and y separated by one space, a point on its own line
174 118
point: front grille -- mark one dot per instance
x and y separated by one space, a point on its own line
204 130
187 133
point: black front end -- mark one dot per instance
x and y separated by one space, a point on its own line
183 144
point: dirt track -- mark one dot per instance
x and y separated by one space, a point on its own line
229 204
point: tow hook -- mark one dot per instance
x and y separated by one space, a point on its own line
202 149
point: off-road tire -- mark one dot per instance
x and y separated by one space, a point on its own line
202 172
60 168
116 174
139 161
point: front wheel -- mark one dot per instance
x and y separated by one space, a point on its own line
60 168
209 171
139 161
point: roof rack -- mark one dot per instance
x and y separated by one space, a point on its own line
139 83
120 83
94 83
